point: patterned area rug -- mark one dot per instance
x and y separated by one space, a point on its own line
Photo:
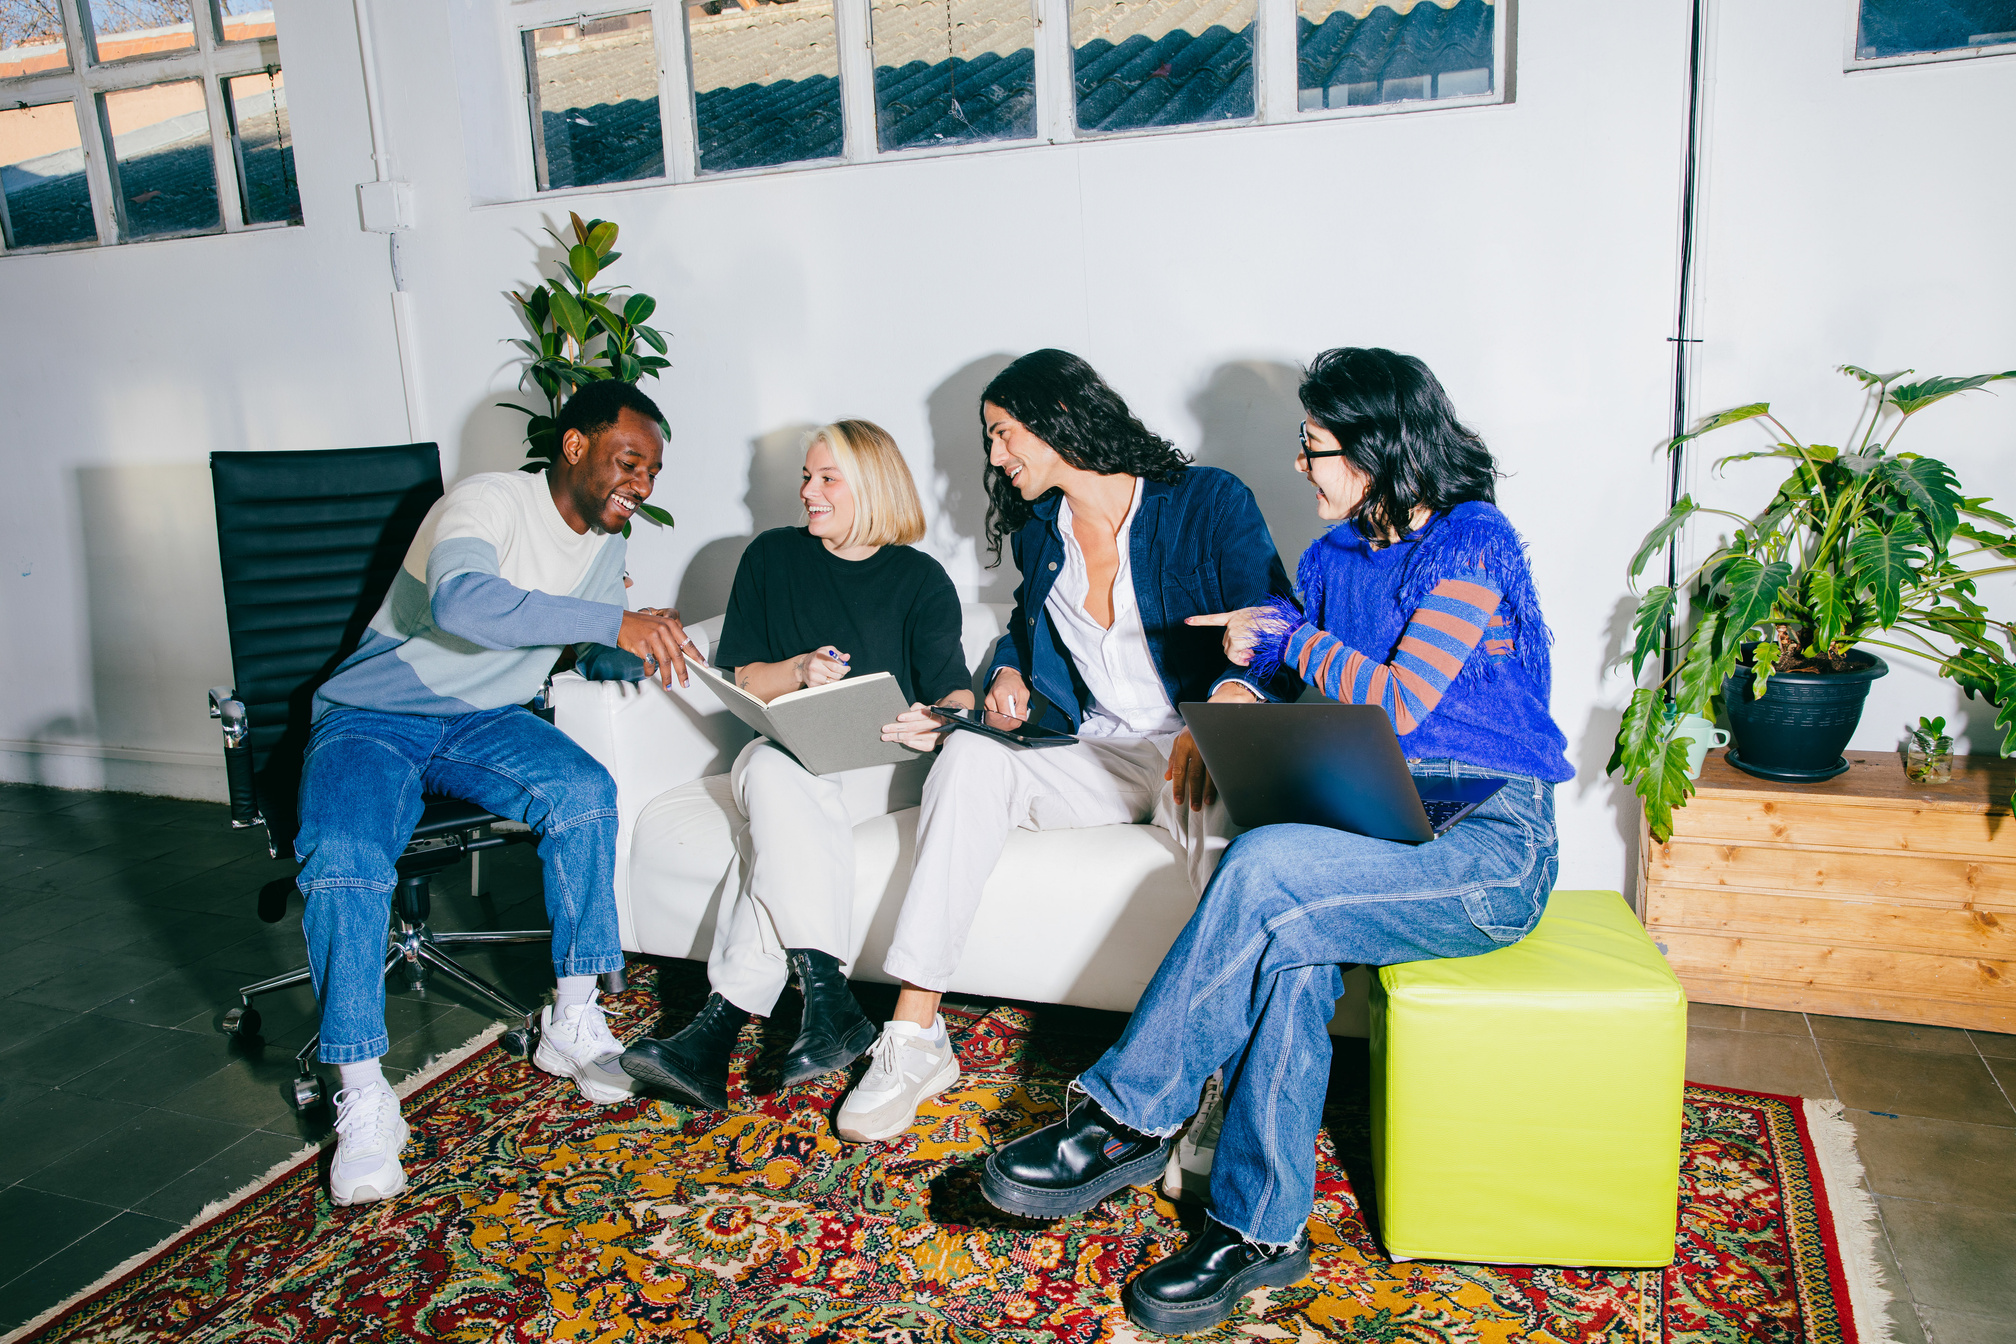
534 1216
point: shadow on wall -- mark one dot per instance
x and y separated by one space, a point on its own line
155 601
775 463
1246 413
958 462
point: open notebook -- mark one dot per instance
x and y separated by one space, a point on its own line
829 728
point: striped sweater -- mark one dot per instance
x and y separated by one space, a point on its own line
1442 630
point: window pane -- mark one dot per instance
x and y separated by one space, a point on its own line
42 173
31 38
766 83
263 147
122 28
246 20
595 102
1901 27
952 71
1161 63
1353 53
162 168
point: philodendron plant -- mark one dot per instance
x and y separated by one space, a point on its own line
1855 542
583 335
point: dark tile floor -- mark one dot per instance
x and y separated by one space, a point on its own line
129 922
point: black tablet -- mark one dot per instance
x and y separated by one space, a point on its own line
1015 732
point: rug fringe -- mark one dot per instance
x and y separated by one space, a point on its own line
1856 1222
216 1208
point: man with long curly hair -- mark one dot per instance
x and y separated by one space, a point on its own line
1118 540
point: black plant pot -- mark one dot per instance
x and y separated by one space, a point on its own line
1797 731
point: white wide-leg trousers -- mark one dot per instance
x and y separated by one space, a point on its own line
797 886
981 789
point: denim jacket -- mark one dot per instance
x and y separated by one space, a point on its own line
1198 545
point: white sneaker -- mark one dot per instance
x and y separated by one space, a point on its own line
1188 1176
370 1134
576 1044
908 1064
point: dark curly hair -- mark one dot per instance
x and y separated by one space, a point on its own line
1060 399
1395 424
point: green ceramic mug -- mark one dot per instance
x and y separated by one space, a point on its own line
1701 735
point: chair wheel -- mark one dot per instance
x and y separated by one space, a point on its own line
516 1042
242 1023
309 1092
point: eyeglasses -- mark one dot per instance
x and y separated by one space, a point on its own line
1311 454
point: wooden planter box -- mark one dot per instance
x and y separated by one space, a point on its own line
1865 896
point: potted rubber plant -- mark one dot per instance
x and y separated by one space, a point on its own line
1859 548
582 335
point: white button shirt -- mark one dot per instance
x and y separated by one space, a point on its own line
1128 699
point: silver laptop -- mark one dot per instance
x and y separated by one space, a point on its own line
1325 764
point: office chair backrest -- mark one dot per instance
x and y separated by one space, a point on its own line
308 543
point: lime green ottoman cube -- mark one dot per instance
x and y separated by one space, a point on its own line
1526 1102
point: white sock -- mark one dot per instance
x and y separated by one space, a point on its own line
364 1073
572 990
935 1033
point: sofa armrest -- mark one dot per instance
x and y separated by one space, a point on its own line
648 738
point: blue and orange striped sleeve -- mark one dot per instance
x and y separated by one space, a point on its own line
1440 637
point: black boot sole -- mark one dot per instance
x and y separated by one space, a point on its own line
1031 1201
803 1068
647 1066
1187 1318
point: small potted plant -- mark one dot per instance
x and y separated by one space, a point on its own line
1929 757
581 335
1854 543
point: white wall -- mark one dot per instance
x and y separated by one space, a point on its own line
1525 251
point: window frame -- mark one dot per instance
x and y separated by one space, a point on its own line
1275 64
1851 44
86 82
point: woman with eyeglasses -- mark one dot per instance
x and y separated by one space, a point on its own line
1420 601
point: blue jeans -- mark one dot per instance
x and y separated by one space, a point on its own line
361 788
1254 978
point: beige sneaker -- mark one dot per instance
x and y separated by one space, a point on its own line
906 1067
1187 1178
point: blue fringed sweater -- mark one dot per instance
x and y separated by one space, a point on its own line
1402 626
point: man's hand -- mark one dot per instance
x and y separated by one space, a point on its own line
1008 696
1188 778
656 636
1243 629
821 666
918 728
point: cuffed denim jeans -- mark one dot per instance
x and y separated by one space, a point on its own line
361 789
1252 981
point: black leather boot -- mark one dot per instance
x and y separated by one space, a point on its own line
834 1032
1070 1166
1197 1287
693 1061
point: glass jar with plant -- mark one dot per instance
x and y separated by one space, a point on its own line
1855 543
583 335
1928 759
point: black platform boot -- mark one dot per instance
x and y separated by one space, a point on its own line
1200 1285
693 1061
834 1032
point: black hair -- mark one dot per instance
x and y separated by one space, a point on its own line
1060 399
596 406
1395 424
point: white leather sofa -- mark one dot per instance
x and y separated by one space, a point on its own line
1077 917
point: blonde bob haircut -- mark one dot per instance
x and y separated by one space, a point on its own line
887 511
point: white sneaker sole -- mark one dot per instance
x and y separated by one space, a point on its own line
561 1066
366 1189
933 1085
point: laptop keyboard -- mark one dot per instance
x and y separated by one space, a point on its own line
1441 811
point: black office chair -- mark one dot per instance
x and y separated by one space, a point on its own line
308 543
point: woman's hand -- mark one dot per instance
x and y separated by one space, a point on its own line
1188 778
1243 629
1008 696
917 727
821 666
